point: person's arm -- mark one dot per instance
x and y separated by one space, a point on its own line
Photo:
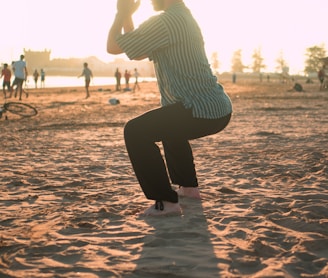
115 30
123 20
82 74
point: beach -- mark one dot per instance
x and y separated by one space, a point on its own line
70 202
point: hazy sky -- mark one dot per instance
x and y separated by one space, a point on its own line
78 28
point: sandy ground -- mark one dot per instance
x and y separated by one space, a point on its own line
69 199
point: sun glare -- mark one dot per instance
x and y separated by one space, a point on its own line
80 30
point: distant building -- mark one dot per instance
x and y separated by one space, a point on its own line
37 59
72 66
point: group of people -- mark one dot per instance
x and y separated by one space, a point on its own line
20 76
20 72
87 73
36 76
127 76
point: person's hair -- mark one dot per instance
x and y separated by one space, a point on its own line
22 56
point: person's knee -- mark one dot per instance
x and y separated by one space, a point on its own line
131 130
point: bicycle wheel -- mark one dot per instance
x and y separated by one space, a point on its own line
21 109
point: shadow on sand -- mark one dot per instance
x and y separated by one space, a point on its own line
178 246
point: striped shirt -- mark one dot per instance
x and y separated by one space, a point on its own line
174 42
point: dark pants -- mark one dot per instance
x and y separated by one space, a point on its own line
173 125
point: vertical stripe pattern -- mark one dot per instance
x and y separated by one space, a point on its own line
174 42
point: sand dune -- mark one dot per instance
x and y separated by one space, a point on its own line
70 201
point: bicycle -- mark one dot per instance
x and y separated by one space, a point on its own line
22 109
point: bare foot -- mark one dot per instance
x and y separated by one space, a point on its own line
167 209
190 192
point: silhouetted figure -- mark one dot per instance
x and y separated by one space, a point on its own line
298 87
136 83
193 103
36 78
322 75
6 74
43 77
118 76
127 76
234 77
20 72
87 73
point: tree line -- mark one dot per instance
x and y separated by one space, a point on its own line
312 62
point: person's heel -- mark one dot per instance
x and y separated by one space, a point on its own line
190 192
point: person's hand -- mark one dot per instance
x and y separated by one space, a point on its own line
127 7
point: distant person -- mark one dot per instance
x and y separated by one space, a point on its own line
127 76
234 78
20 72
6 74
13 85
298 87
322 75
43 77
36 78
118 77
136 83
193 103
87 73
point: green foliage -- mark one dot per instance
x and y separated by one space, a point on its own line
313 62
237 64
215 61
257 65
281 63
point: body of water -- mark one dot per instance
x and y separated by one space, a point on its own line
73 81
